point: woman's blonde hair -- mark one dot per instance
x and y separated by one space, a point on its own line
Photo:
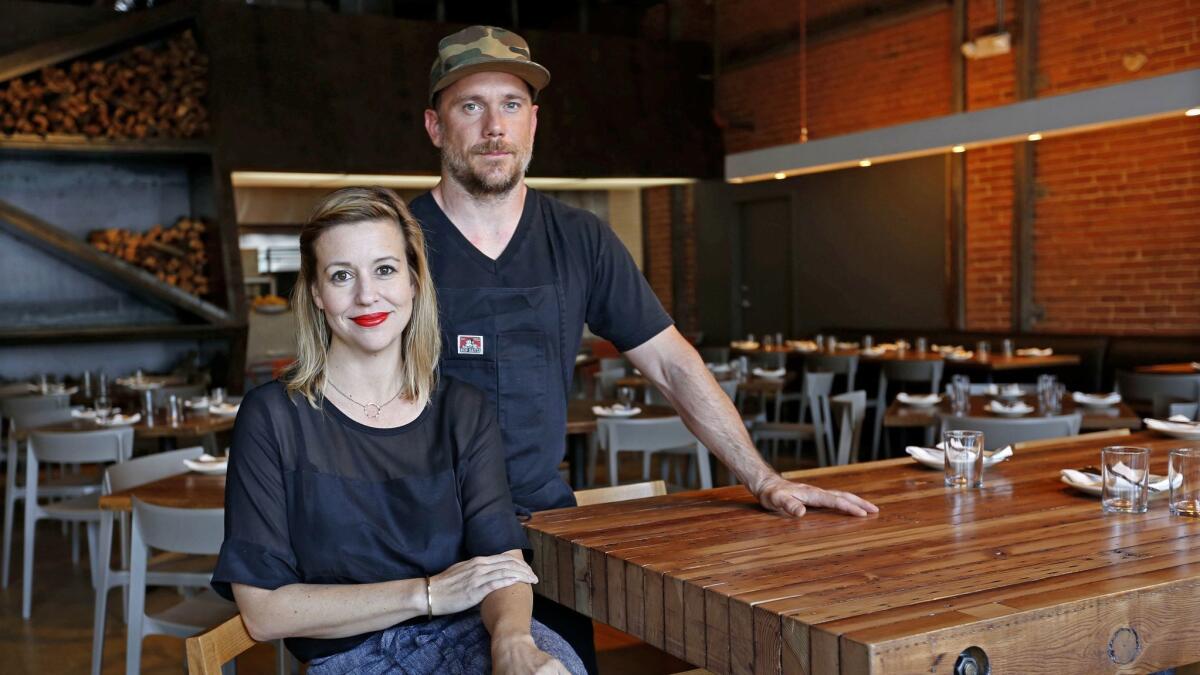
421 340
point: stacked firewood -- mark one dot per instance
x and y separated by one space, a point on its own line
174 254
141 93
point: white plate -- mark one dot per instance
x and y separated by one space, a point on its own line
1174 429
996 408
1095 488
770 374
1093 401
921 401
605 411
208 464
121 420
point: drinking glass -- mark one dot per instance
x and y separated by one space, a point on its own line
103 407
1126 487
964 458
779 339
218 396
750 337
830 343
625 397
982 349
174 410
1006 345
820 340
768 342
1183 473
922 345
868 342
960 394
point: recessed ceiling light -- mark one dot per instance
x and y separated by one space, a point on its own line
780 176
1193 112
959 148
865 162
1035 137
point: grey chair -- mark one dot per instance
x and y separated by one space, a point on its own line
1000 431
666 435
850 410
80 503
172 570
615 363
838 364
181 530
32 417
1153 393
817 388
181 391
904 373
1188 410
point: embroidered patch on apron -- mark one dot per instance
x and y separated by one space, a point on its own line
470 344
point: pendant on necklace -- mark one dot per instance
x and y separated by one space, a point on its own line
371 411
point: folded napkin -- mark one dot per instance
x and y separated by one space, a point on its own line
615 410
887 346
198 402
1016 407
223 409
935 455
918 399
958 355
1087 479
743 344
803 345
947 349
1034 351
206 463
83 413
774 374
1010 390
120 420
718 367
847 345
1096 400
1195 365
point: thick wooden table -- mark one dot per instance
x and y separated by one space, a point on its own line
1119 416
1026 570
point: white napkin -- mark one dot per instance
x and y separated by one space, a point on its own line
769 374
802 345
1096 400
938 456
847 345
1034 351
580 358
1095 480
873 351
743 344
920 400
1006 390
948 349
206 463
718 367
1195 365
1002 408
198 402
120 420
614 411
958 355
83 413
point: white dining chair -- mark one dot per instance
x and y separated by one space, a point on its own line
849 410
80 503
666 435
817 388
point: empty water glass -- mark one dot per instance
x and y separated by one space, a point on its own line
1183 474
963 452
103 407
218 395
922 345
1126 486
960 394
830 343
779 339
625 397
868 342
820 340
174 410
750 337
982 349
768 342
1006 345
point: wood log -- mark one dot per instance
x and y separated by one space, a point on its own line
174 254
144 92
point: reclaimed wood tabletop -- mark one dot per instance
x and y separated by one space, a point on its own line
1026 573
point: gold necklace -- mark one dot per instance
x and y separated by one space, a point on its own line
370 410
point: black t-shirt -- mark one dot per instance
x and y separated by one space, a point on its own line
314 497
512 326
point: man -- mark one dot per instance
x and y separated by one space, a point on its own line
519 274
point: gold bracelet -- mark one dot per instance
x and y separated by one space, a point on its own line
428 598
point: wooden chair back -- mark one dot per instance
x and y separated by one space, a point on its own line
1107 434
208 651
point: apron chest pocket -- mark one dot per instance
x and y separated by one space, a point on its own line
523 369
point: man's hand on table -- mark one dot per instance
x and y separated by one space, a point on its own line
778 494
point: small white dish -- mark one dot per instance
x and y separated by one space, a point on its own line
1016 409
919 400
615 411
208 464
775 374
1096 400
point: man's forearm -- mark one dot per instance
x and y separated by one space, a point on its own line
679 373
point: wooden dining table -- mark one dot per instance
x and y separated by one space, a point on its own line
1119 416
1025 575
992 363
192 424
1189 368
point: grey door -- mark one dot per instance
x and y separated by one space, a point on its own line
765 282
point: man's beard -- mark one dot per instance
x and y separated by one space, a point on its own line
490 184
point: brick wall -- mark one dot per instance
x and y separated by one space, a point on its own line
657 229
1117 216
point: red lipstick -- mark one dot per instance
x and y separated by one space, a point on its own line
370 320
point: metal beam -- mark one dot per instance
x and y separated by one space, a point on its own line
102 266
1137 101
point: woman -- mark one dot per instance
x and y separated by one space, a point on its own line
368 518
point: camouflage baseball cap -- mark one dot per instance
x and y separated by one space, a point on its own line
484 49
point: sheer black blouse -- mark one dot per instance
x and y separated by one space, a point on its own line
314 497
